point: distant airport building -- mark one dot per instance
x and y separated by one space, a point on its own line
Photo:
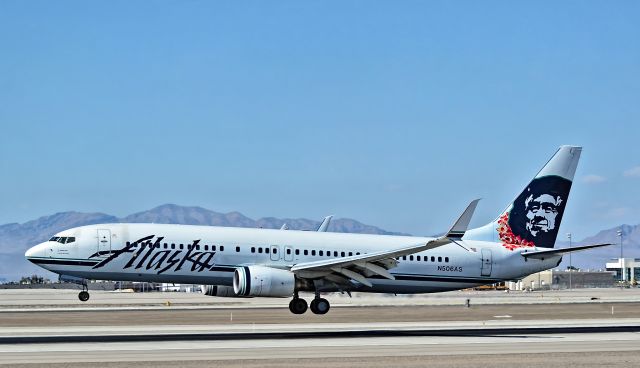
631 267
558 280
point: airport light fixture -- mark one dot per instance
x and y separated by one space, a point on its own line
623 276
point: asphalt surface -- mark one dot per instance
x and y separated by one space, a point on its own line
485 351
275 315
542 360
557 330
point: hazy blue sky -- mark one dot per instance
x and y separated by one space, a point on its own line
396 113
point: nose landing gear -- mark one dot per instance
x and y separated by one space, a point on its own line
84 294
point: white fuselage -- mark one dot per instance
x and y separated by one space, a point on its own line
209 255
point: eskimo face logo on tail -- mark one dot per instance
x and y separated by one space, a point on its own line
534 217
541 213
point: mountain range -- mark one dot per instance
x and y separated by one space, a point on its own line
15 238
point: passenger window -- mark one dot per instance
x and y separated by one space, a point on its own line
350 254
206 247
342 254
313 252
446 259
222 248
357 253
166 246
320 253
404 258
266 250
411 258
439 259
328 253
275 250
253 249
237 249
335 253
173 246
288 250
297 252
306 252
417 258
259 249
433 259
181 246
213 247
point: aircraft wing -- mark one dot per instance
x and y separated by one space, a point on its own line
356 267
541 254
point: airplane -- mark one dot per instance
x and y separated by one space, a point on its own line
248 262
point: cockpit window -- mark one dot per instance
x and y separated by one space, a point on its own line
63 239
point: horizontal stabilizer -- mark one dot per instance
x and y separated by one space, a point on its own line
540 254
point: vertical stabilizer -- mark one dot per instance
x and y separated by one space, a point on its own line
534 217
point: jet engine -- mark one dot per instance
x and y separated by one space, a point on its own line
263 281
219 290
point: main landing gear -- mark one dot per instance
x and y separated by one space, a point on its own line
318 305
84 294
297 305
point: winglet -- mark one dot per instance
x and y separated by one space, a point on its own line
325 224
460 226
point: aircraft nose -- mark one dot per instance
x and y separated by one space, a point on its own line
35 251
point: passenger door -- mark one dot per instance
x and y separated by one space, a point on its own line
104 240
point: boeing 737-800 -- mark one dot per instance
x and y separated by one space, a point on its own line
245 262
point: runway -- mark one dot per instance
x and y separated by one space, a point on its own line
490 351
578 330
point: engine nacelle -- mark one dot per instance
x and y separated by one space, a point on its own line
263 281
219 290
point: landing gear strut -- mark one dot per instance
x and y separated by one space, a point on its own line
297 305
84 294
